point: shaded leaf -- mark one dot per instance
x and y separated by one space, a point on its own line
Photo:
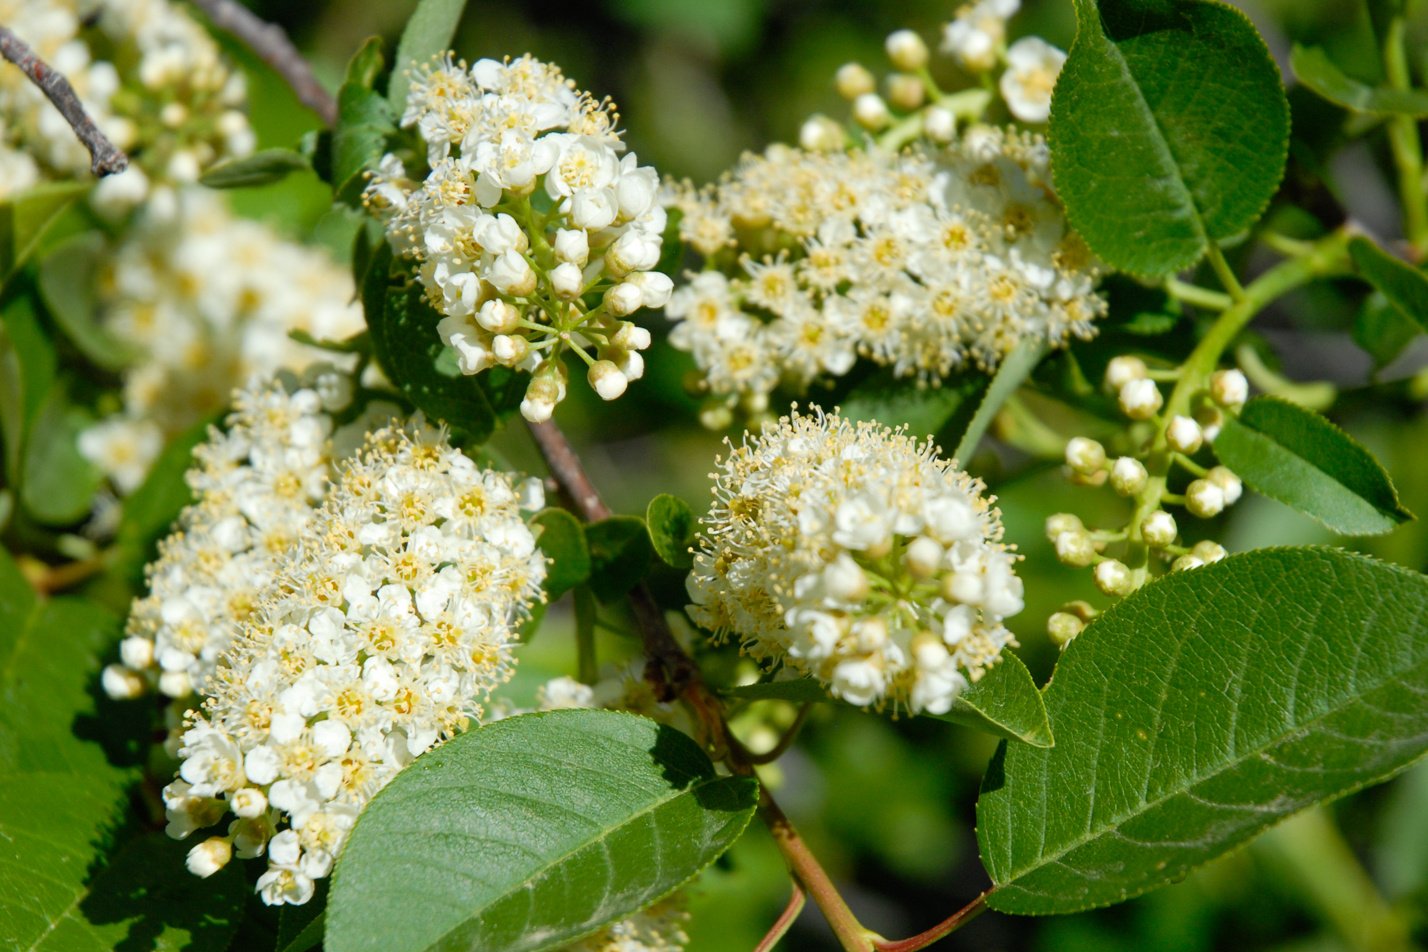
25 217
66 283
261 168
924 410
1200 710
27 374
671 526
1405 287
300 927
1186 99
1314 69
620 555
1382 330
1298 457
530 832
1015 369
58 484
562 539
798 690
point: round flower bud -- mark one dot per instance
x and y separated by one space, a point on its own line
655 288
845 581
632 251
1076 548
1128 476
120 683
210 856
1208 551
542 394
1062 522
1159 529
821 134
631 337
939 125
572 246
1085 456
716 415
175 684
906 92
136 652
509 349
248 803
624 298
1211 418
1113 578
906 50
871 112
1122 370
512 274
1184 435
923 557
854 80
1229 389
606 379
1186 562
1204 499
1228 482
1140 399
498 317
567 280
1062 627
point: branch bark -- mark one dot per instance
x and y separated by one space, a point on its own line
273 47
105 158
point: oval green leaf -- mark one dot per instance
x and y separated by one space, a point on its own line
1015 369
620 555
1169 130
1404 285
1201 710
530 833
671 526
1004 702
1315 70
57 484
261 168
66 283
1299 458
562 539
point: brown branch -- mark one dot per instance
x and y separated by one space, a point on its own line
105 158
273 47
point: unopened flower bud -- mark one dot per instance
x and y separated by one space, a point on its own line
1113 578
1062 522
1159 529
631 337
1062 627
1076 548
845 580
1122 370
716 415
939 124
821 134
1208 551
1204 499
1229 389
606 379
906 92
1186 562
248 803
1184 435
854 80
572 246
509 349
923 557
1128 476
655 287
1211 418
498 317
623 298
512 274
1228 482
136 652
871 112
1140 399
120 683
542 395
906 50
175 684
1085 456
567 280
210 856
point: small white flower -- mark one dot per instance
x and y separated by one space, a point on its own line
210 856
1128 476
1032 68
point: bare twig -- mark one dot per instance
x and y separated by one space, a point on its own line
943 929
273 47
781 925
105 158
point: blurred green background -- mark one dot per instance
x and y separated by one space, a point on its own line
888 804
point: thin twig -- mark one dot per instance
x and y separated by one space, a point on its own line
273 47
105 158
781 925
943 929
784 742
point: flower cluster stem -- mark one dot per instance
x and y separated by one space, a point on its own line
1404 142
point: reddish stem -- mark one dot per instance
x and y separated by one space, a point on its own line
943 929
781 925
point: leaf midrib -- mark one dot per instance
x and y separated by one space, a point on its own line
1047 859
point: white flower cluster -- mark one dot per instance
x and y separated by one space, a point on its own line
256 488
148 74
977 39
856 555
380 638
923 261
657 928
534 234
204 301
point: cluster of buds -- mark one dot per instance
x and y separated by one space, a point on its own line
976 42
1142 476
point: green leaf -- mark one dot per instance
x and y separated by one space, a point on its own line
145 891
1015 369
1382 330
1404 285
620 554
1005 702
428 33
25 217
366 65
27 374
1169 130
58 484
671 527
261 168
1298 457
67 285
300 927
798 690
1199 711
562 539
924 410
531 832
1314 69
360 139
405 340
